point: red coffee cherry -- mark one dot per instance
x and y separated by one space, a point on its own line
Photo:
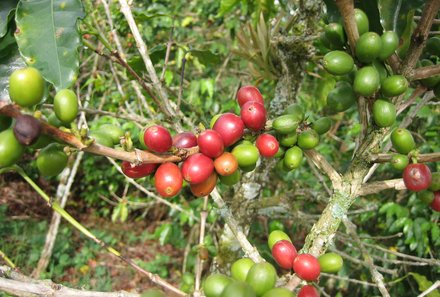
284 252
306 267
230 127
249 93
435 204
197 168
308 291
210 143
267 145
184 140
138 171
168 180
254 115
417 177
157 139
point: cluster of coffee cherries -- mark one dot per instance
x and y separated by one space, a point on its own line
233 144
27 89
372 78
417 177
368 75
259 279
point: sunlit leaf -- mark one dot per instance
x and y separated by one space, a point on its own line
48 38
6 9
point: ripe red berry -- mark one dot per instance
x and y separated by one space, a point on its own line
184 140
284 252
249 93
254 115
210 143
435 204
197 168
417 177
138 171
306 267
230 127
157 139
308 291
168 180
267 145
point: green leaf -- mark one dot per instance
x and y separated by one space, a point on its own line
48 39
124 212
226 6
393 13
6 9
163 233
116 213
206 57
332 11
11 60
207 86
424 284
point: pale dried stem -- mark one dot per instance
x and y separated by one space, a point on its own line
143 51
376 275
422 158
325 167
378 186
19 285
199 264
425 72
249 250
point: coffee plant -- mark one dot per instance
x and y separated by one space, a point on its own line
294 144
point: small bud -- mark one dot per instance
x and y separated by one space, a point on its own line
27 129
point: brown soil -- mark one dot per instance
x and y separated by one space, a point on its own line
24 203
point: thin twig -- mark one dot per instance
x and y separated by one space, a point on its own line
137 156
19 285
351 280
117 115
8 261
200 260
167 54
182 75
325 167
164 103
422 158
425 72
249 250
376 275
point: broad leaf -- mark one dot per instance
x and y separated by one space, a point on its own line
11 60
424 284
226 6
206 57
332 11
48 39
6 9
393 13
